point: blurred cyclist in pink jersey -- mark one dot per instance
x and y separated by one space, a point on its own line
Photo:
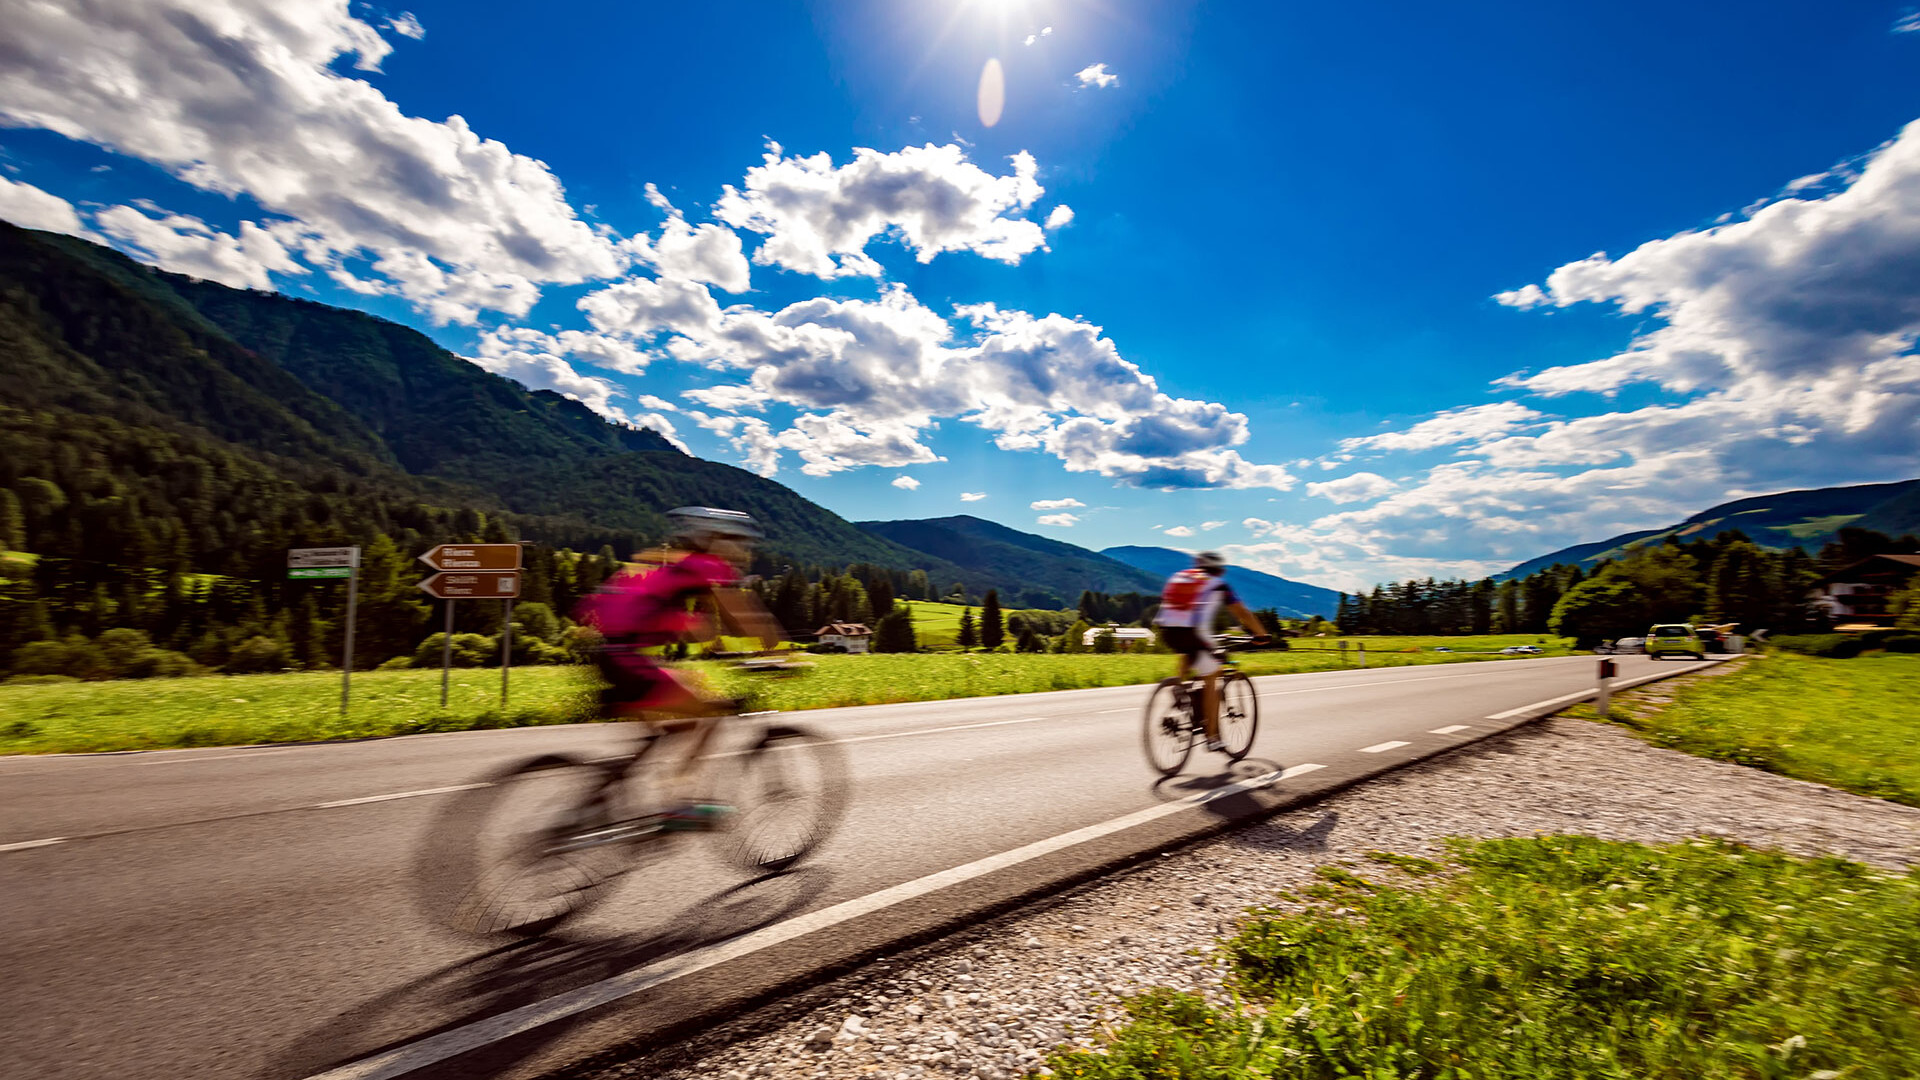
692 595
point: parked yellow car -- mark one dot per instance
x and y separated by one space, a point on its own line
1675 639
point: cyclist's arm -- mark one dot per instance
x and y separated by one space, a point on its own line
744 615
1247 619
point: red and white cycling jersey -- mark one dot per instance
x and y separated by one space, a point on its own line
1191 597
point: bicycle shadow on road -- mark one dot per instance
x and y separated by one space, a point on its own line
523 972
1230 805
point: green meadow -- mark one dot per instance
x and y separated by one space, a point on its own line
216 710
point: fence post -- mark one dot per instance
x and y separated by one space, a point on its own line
1363 653
1603 704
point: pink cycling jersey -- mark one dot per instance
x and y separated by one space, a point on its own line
642 608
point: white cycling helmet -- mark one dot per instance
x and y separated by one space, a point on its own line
702 524
1212 562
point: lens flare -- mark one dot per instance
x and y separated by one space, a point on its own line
993 92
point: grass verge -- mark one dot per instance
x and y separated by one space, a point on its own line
1556 957
221 710
1852 724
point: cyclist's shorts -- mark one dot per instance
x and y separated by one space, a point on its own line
1202 659
635 680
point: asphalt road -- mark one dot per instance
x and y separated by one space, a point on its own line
234 912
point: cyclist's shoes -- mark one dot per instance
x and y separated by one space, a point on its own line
700 815
1216 746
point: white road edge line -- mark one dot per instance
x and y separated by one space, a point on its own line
396 795
1382 747
1449 729
437 1048
25 844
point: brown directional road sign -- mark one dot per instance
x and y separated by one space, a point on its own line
474 585
473 557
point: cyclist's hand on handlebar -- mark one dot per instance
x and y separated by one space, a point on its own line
1261 639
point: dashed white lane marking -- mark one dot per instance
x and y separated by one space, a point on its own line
25 844
448 1044
1449 729
1377 748
396 795
1551 705
1292 771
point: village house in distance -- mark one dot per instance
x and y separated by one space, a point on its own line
844 637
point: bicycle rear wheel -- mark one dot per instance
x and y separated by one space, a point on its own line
539 848
1167 731
789 791
1239 715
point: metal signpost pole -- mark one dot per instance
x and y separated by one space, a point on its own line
1606 687
506 655
446 653
353 604
323 564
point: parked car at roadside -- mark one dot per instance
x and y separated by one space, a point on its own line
1622 646
1522 650
1675 639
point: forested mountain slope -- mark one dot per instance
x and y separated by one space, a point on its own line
1035 571
1806 519
326 399
1290 598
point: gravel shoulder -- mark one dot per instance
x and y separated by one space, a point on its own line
988 1001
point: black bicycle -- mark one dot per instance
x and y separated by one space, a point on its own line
545 839
1173 722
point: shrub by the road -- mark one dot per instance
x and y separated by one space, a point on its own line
1554 958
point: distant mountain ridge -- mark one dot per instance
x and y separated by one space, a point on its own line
1293 599
1805 518
1032 571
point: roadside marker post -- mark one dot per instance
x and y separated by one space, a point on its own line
332 563
1363 653
478 572
1607 672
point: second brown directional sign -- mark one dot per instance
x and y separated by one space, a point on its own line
473 557
475 585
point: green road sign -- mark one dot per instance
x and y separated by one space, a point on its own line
301 572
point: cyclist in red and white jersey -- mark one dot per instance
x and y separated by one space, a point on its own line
1188 604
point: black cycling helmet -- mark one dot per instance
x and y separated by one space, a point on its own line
698 526
1212 562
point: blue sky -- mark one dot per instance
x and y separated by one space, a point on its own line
1316 285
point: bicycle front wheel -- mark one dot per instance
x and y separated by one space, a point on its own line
532 850
1239 715
1167 732
789 793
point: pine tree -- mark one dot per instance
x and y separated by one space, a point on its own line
880 598
13 522
894 634
993 630
968 639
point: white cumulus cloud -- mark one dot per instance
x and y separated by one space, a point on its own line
907 482
187 245
31 208
1209 526
1180 531
1096 75
1055 504
1356 487
972 496
1058 521
247 97
1059 217
818 218
407 25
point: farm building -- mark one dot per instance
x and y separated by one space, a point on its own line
850 637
